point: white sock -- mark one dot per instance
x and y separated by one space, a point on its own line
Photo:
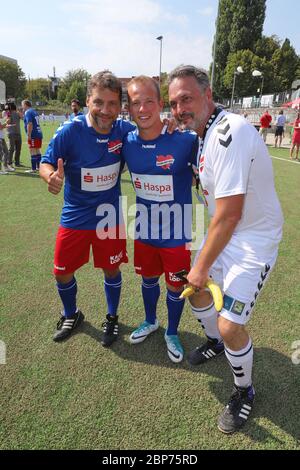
207 317
241 364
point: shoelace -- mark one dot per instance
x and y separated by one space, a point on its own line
235 399
60 323
144 326
175 342
108 325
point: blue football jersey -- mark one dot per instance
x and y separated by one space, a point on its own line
72 115
32 116
161 175
92 164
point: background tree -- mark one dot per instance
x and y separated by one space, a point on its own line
266 46
240 42
164 89
222 45
78 91
38 90
14 79
246 28
80 77
285 63
246 84
239 27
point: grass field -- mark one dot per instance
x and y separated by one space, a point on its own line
78 395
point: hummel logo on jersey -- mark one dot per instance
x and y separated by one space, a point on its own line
223 128
137 184
60 268
114 146
227 142
116 258
153 146
164 161
102 141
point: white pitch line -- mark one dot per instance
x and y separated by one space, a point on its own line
284 159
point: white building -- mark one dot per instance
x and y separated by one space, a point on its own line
9 59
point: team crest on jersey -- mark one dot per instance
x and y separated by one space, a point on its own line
165 161
201 163
114 146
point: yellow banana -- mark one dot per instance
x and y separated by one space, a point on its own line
187 292
214 290
216 294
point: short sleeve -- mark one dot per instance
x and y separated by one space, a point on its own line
231 162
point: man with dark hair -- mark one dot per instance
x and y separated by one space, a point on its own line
85 153
241 245
34 135
14 135
75 106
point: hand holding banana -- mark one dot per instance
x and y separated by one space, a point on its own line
214 290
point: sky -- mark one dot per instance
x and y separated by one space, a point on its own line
121 34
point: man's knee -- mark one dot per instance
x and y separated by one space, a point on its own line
200 299
174 288
229 330
64 278
111 274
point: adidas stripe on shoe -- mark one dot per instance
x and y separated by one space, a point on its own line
66 326
211 349
110 330
238 409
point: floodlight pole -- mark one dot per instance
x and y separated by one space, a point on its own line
238 70
261 89
160 38
233 86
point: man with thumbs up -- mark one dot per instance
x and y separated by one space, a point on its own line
84 156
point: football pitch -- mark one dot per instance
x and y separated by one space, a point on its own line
79 395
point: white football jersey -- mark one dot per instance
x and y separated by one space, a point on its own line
235 160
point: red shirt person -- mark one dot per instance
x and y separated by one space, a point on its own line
265 122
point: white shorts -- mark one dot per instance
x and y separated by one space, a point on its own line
241 276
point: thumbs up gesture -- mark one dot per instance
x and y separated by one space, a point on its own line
56 178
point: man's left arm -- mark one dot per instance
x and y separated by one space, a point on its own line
227 215
29 130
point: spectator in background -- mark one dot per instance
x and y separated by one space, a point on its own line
75 106
280 122
296 138
14 135
265 122
34 135
3 149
